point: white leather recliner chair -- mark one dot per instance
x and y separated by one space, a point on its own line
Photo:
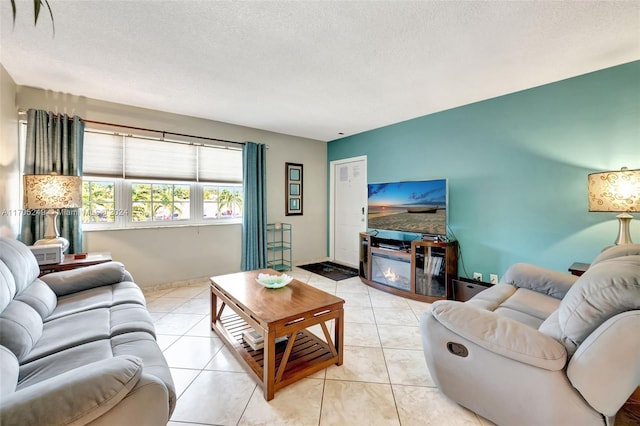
542 348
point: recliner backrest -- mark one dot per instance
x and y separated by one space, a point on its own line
20 261
25 301
608 288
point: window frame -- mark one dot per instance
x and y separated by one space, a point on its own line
123 202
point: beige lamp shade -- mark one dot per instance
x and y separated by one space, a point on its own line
615 191
52 192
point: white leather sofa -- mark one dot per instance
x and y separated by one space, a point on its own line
542 348
77 347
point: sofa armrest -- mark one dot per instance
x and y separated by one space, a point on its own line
541 280
75 397
75 280
501 335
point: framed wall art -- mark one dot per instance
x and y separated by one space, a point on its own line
293 188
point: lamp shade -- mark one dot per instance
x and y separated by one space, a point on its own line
52 192
615 191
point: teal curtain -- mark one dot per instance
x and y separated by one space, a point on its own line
53 144
254 213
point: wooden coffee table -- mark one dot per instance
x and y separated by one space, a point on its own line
273 313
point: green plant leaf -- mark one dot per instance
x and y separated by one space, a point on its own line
53 24
36 10
13 9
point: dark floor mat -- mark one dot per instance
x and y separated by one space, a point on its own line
331 270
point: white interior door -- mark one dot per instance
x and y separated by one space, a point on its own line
348 208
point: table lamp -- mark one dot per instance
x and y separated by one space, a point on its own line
52 192
616 191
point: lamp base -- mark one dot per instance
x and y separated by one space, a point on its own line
51 234
63 242
624 236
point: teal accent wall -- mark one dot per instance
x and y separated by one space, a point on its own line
517 167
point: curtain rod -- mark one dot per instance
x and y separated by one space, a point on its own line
160 131
152 130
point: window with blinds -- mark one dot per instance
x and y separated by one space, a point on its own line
134 180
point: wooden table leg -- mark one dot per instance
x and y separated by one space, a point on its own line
214 308
269 365
339 335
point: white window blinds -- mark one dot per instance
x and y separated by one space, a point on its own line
102 155
220 165
133 157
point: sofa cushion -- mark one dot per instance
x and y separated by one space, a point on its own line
40 297
541 280
75 397
77 280
528 307
492 297
97 324
608 288
9 369
7 286
521 304
99 297
20 328
20 261
138 344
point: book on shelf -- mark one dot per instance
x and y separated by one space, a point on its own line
433 265
256 341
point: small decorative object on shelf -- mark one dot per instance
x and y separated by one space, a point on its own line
279 246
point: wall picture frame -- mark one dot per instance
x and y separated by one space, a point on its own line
293 188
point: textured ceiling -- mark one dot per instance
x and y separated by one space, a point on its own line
312 69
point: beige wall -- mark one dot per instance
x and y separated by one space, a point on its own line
9 157
156 256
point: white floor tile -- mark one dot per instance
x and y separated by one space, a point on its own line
215 398
348 403
177 324
407 367
182 378
422 406
164 304
356 334
296 405
192 352
395 316
360 364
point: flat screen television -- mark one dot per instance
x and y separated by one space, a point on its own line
418 207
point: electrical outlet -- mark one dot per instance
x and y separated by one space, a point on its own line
493 278
477 276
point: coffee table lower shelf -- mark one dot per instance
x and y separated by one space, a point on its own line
308 355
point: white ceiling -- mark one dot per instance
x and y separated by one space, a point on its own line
312 68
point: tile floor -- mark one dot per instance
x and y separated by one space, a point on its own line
384 379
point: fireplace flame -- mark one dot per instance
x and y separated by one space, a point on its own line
390 275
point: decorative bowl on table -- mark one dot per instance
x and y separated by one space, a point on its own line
273 281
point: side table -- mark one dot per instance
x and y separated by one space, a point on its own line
579 268
72 261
